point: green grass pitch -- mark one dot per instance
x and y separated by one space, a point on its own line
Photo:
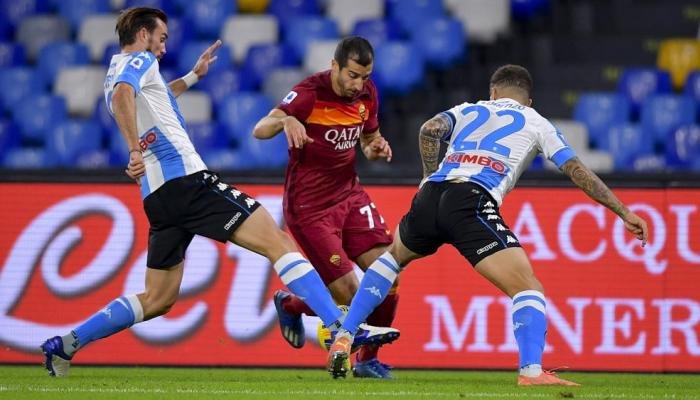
93 383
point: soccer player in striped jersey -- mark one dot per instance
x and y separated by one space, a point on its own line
181 197
326 208
490 143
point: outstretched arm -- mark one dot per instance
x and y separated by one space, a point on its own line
271 124
598 191
429 142
201 68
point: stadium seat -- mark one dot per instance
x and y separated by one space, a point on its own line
97 32
411 13
243 31
191 52
220 84
18 83
637 84
110 50
36 115
227 160
649 163
484 20
260 61
81 87
398 67
95 159
286 10
118 150
75 11
206 136
692 89
377 30
347 13
662 113
179 33
12 12
195 106
208 16
319 55
240 112
598 161
679 57
72 138
167 6
9 137
26 158
683 150
625 142
523 10
11 55
252 6
441 41
280 81
575 133
599 111
6 30
303 30
270 153
35 32
102 116
57 55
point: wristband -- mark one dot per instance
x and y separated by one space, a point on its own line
190 79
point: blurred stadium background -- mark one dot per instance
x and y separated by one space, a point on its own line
621 78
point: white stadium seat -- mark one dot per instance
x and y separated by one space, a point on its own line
575 133
81 87
346 13
280 81
97 32
195 106
483 20
319 55
36 31
243 31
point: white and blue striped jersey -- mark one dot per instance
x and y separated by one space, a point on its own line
167 150
492 142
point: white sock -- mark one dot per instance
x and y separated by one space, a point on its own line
531 371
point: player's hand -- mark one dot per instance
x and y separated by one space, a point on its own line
637 226
379 148
201 67
295 132
136 167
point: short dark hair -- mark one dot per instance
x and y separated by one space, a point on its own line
514 76
131 20
354 48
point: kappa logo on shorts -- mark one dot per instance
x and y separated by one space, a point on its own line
492 217
489 210
489 204
335 259
249 202
511 239
500 227
487 247
232 221
236 193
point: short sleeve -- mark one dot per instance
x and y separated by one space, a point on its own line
372 123
137 71
299 102
451 116
554 146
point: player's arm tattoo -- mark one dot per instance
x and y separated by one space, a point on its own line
429 142
593 186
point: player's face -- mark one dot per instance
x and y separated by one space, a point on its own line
157 38
351 79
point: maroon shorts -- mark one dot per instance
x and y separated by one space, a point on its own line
334 237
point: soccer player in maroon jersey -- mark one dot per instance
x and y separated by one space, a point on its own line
326 209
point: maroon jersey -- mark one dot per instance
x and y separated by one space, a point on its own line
323 172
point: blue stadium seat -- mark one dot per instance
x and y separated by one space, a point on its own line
26 158
411 13
377 30
179 33
523 10
57 55
261 60
626 141
398 67
76 10
102 116
227 160
36 115
692 89
441 40
9 137
95 159
683 147
208 16
110 50
662 113
649 163
18 83
118 150
191 52
637 84
240 112
285 10
302 30
170 74
599 111
72 138
267 154
14 11
11 54
219 84
207 136
166 5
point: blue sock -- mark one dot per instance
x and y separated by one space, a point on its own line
529 326
374 288
302 279
120 314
